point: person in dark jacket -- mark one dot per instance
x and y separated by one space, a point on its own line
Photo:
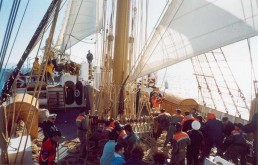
179 143
187 121
196 138
163 120
213 132
49 127
82 126
172 129
228 128
136 156
131 140
160 158
252 128
238 146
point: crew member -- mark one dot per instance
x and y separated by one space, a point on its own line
156 101
82 126
48 149
252 127
187 121
49 71
163 121
172 129
238 145
194 112
228 128
131 140
36 68
49 127
193 149
213 132
179 143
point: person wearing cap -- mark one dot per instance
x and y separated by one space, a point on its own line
193 149
179 143
48 149
49 127
82 126
238 145
213 132
172 129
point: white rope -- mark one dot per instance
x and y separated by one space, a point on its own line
218 89
200 91
229 91
206 82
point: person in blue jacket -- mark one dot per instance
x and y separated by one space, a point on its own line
118 155
108 150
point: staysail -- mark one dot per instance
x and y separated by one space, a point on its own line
82 18
190 28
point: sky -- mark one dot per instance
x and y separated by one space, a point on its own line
32 18
35 12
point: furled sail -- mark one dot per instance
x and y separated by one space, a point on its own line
190 28
82 18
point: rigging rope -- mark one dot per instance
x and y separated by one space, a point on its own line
38 32
198 81
252 70
251 59
8 31
229 91
239 90
41 35
161 36
138 58
206 82
1 77
220 94
1 2
69 35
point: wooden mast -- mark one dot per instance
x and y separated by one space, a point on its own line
3 136
120 65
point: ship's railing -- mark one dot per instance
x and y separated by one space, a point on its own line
204 110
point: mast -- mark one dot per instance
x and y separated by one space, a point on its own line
120 65
3 136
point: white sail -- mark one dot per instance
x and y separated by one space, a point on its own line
190 28
82 18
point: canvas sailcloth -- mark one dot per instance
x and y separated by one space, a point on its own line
190 28
82 18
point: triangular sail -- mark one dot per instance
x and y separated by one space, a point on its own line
82 18
191 27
